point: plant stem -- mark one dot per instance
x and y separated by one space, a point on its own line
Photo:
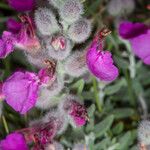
5 124
99 105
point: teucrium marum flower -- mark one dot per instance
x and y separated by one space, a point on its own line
80 30
45 21
75 64
58 47
71 11
144 132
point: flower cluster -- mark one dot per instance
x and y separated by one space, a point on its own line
43 131
47 42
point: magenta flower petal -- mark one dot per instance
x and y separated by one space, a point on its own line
100 63
22 5
141 47
14 141
128 30
21 91
7 44
13 25
138 35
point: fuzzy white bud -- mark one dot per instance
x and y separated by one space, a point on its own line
71 11
61 120
54 146
46 95
80 30
119 7
58 47
56 3
75 64
46 22
144 132
37 60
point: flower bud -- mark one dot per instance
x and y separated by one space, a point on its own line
144 132
80 30
46 22
119 7
73 110
54 146
46 94
56 3
71 11
37 60
58 47
75 64
60 119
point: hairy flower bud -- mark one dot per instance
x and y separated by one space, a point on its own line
46 95
76 112
45 21
80 30
119 7
54 146
71 11
75 64
56 3
60 119
58 47
144 132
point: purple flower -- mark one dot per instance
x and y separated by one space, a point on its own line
21 91
100 62
22 88
22 5
13 25
7 44
138 35
14 141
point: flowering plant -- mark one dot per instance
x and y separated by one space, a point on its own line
68 81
